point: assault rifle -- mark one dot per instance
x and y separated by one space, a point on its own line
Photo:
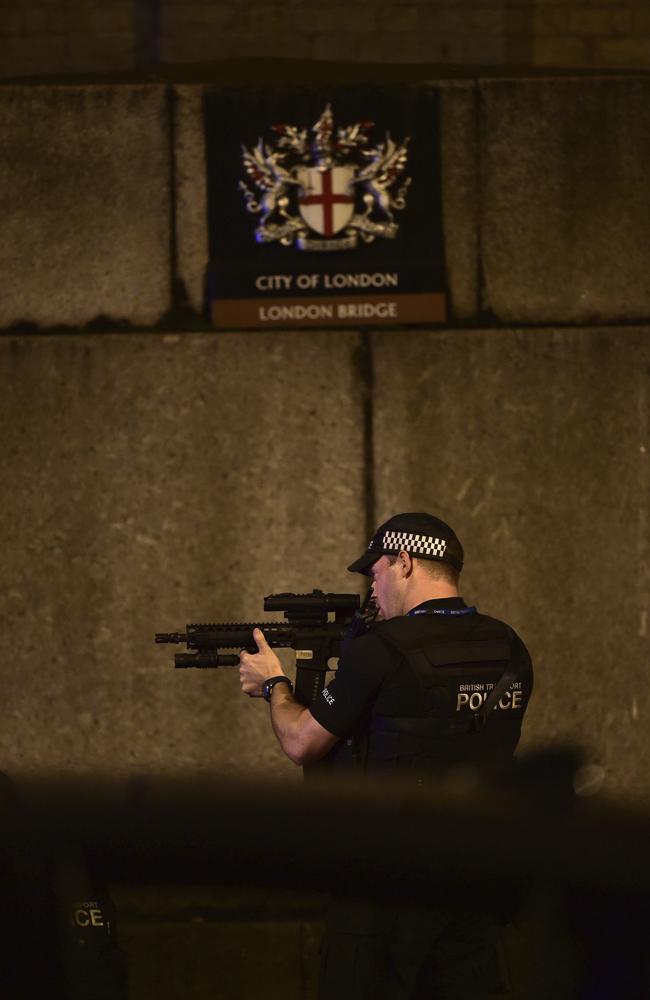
314 626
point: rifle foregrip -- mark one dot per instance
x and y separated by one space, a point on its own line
206 660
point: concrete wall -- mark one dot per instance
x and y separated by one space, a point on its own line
152 478
207 941
564 200
85 202
545 202
83 36
155 479
150 481
534 444
92 36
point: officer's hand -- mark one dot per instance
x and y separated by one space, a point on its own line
255 668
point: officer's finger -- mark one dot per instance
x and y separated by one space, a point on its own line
260 641
246 685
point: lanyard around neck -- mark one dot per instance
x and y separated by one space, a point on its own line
442 611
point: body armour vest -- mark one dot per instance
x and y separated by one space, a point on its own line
455 663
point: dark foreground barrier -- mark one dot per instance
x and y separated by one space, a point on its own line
462 836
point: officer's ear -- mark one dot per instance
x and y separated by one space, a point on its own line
406 563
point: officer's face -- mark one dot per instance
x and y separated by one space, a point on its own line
386 588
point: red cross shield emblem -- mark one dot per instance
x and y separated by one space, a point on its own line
326 201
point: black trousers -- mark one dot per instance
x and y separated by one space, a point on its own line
385 951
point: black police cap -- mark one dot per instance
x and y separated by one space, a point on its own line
422 535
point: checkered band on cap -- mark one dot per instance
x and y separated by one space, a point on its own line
422 545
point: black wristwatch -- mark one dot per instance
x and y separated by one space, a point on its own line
270 684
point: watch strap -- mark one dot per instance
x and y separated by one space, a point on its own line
268 686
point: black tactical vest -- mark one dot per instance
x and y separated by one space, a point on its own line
455 661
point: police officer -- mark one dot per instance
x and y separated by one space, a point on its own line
432 682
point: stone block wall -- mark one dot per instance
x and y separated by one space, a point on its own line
534 444
567 33
597 34
80 36
90 36
544 195
209 941
85 201
564 200
150 481
150 478
154 478
447 33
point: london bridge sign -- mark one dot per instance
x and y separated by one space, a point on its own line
324 209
